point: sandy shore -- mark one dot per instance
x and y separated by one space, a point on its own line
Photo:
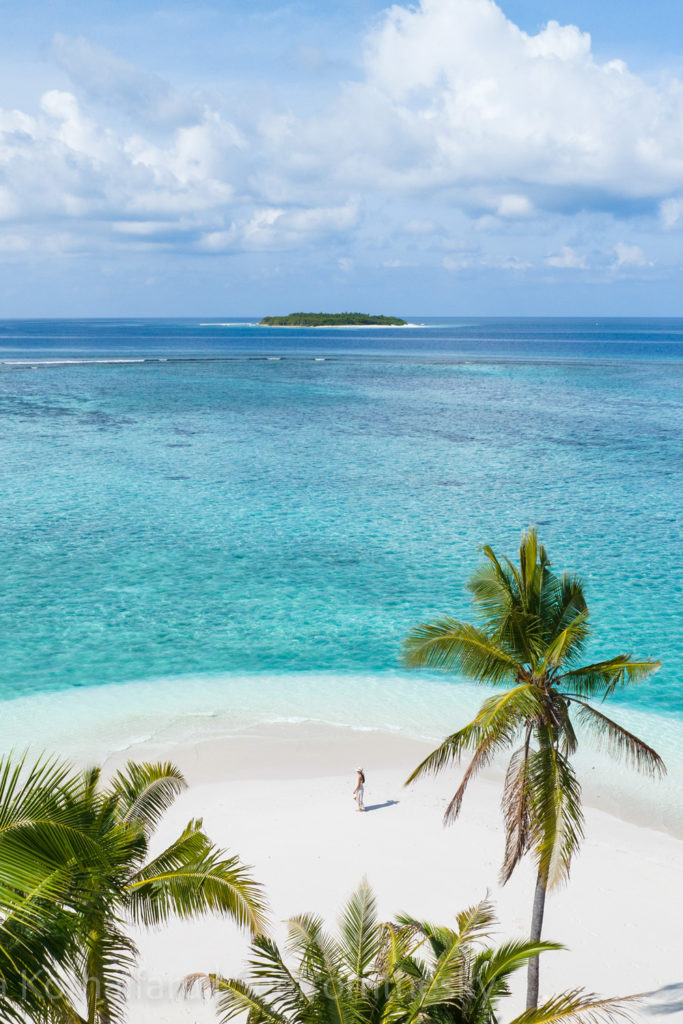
280 796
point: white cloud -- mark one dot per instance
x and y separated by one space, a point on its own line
14 243
474 97
458 261
512 205
8 204
629 256
670 212
78 133
461 125
488 223
563 41
420 227
104 78
278 228
567 258
143 228
514 263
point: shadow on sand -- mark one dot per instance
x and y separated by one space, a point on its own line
665 1000
379 807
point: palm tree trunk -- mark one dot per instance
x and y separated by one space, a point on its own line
92 981
96 990
536 928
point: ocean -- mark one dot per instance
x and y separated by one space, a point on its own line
204 519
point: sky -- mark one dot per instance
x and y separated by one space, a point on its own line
250 157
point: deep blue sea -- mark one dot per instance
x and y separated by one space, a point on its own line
246 520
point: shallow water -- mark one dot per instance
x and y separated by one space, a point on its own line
248 500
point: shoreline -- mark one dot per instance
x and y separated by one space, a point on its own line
307 750
392 714
278 794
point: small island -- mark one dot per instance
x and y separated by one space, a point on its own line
331 320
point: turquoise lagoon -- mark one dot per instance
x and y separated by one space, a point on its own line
205 520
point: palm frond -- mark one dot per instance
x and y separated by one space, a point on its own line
437 937
483 756
452 646
235 998
398 943
578 1007
619 741
490 973
446 982
495 726
36 946
603 677
448 978
516 811
570 640
280 987
562 600
110 958
493 589
359 933
144 792
321 964
447 753
529 562
556 816
41 827
504 960
308 939
194 877
475 923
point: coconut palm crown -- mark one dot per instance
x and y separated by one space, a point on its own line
533 630
76 870
403 972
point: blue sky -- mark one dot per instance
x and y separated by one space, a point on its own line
444 156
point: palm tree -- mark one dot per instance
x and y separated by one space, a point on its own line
534 628
400 973
78 853
40 844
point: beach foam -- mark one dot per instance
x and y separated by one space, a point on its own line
90 723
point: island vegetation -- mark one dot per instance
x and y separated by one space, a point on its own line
331 320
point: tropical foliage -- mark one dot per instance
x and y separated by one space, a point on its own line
398 973
533 630
331 320
75 870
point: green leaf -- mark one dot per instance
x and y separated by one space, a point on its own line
452 646
359 932
556 816
144 792
604 677
193 877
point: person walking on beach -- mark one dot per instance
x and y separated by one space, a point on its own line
359 790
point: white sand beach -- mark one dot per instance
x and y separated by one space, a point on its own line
280 796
